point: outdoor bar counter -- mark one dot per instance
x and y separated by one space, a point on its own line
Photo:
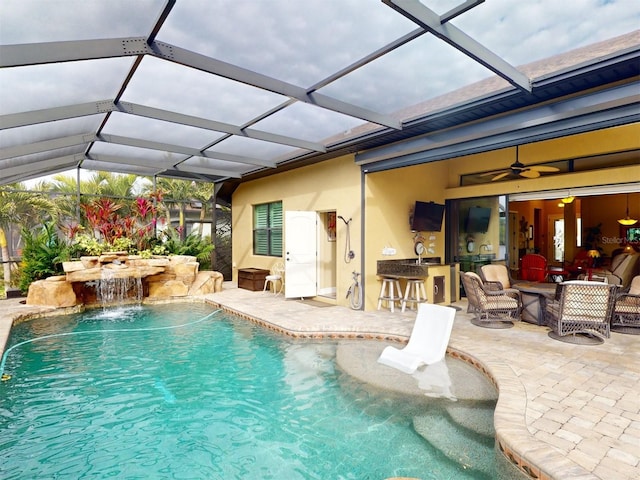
441 280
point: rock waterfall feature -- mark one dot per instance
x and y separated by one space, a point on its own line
127 278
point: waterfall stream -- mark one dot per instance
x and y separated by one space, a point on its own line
114 290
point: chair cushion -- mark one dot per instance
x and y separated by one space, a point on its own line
497 273
617 260
474 275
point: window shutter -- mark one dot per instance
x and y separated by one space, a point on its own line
275 222
267 229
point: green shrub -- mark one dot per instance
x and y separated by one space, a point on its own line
42 255
123 244
193 245
85 244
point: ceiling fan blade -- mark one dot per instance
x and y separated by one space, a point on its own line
499 176
542 168
495 172
529 174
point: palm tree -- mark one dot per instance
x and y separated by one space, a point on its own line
203 193
178 193
105 184
17 206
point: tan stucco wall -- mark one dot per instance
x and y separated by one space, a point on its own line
336 185
389 197
333 185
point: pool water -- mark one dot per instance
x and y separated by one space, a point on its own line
172 391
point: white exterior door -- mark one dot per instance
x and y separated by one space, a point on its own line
300 254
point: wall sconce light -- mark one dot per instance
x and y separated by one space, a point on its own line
627 221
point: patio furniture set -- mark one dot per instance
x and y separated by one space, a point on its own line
581 311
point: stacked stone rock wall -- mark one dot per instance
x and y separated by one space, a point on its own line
162 277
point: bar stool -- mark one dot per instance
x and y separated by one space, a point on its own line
392 285
414 293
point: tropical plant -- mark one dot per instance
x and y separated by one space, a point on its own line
193 245
177 193
42 255
85 244
203 193
20 207
593 236
101 184
112 230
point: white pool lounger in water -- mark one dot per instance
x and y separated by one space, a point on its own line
428 341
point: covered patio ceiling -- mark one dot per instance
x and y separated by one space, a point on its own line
225 90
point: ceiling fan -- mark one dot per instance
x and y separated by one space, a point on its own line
519 169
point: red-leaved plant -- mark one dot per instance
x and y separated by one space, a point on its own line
105 221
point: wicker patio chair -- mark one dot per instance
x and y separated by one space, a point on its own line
496 276
582 313
491 308
626 313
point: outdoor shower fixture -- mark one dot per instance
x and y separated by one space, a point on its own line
348 253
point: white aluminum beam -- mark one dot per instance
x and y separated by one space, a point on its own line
53 52
368 59
86 138
459 10
22 119
154 164
174 117
89 164
205 170
46 145
431 21
264 82
23 176
21 55
67 161
193 152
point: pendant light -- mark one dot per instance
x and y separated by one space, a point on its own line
627 221
568 199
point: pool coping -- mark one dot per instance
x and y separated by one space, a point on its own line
531 456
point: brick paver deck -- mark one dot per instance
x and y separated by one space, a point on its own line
564 411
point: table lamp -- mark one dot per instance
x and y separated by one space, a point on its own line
593 255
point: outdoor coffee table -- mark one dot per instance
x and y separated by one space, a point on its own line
534 298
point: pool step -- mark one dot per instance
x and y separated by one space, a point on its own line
472 451
478 419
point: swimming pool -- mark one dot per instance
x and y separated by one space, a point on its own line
186 394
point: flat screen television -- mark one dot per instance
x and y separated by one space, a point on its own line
427 217
478 220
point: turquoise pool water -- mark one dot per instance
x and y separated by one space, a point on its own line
185 394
